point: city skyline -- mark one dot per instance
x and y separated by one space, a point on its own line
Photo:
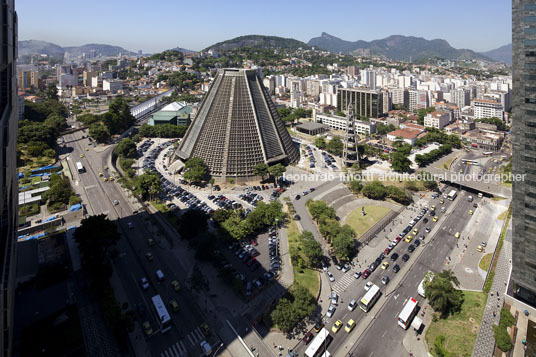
167 25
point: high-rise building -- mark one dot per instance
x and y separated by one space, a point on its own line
488 109
524 150
350 155
366 102
9 107
416 99
237 127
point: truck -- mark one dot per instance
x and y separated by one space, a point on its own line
452 195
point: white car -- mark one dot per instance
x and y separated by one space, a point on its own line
130 225
352 305
116 202
334 298
144 283
394 243
331 278
331 311
368 285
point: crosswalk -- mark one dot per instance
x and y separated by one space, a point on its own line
343 283
180 348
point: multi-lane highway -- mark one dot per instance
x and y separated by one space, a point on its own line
131 265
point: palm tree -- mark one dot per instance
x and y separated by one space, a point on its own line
442 294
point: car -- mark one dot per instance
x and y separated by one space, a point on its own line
334 298
81 156
441 201
144 283
427 229
368 285
149 256
150 242
394 256
480 249
357 274
331 278
101 174
268 276
387 250
147 328
308 337
352 305
408 239
116 202
297 197
385 280
338 266
436 218
411 248
331 311
349 326
175 285
475 205
366 273
385 265
480 195
415 231
483 244
174 305
346 268
457 235
318 326
416 243
470 212
396 268
405 257
336 326
425 220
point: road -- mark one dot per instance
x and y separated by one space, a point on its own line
131 263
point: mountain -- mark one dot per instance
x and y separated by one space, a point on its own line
259 41
183 50
31 47
396 47
501 54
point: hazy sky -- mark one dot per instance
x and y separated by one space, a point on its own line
155 25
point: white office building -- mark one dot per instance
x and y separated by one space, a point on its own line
484 108
437 120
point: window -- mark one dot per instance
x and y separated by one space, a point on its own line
530 136
530 89
531 113
530 65
530 54
529 7
530 100
530 42
530 18
530 147
530 30
530 77
529 159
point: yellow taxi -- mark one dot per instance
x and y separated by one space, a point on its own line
479 249
106 167
174 306
336 326
81 155
432 208
409 238
149 256
470 212
147 328
150 241
105 179
457 235
349 326
385 265
175 284
87 149
415 231
441 201
112 178
461 171
436 218
101 174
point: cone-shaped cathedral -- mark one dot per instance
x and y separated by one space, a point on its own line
237 127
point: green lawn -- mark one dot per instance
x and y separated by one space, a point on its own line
361 223
460 329
485 261
305 277
160 206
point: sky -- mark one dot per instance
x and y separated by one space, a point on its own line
156 25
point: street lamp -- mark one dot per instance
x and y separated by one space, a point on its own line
217 349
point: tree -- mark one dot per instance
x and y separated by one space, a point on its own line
261 170
236 227
335 146
400 162
99 133
320 143
355 186
289 310
51 92
195 170
221 215
398 195
382 129
126 148
504 342
320 211
59 191
147 185
276 171
311 248
375 190
283 315
442 294
343 243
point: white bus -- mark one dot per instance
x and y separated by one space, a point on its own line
408 313
470 162
452 195
81 169
487 153
162 313
370 298
319 345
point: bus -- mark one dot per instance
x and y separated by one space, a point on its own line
319 345
81 169
162 313
370 298
452 195
487 153
408 313
471 162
